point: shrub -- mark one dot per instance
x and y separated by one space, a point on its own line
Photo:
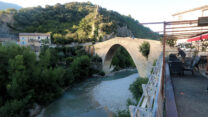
102 73
145 49
170 40
15 108
96 58
136 87
68 77
123 113
80 67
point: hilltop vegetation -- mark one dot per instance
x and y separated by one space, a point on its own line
79 22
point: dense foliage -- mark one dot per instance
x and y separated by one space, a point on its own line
81 22
122 59
25 80
136 87
145 49
170 40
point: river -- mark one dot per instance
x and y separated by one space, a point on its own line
95 97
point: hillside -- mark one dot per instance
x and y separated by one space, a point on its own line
5 5
80 22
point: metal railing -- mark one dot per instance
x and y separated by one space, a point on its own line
188 53
151 102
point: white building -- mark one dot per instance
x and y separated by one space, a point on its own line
191 14
34 40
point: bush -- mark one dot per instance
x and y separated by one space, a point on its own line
123 113
15 108
145 49
102 73
96 58
68 77
170 40
80 67
136 87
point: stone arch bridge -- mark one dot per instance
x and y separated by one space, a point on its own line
107 49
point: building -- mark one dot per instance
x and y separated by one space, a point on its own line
34 40
191 14
8 38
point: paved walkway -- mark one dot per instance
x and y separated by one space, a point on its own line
191 95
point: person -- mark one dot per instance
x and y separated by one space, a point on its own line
182 54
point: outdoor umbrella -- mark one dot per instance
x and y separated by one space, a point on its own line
201 37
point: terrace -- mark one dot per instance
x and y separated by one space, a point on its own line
177 87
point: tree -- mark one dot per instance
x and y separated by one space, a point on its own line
25 80
58 38
17 74
80 67
170 40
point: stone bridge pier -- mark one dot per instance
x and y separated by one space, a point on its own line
106 50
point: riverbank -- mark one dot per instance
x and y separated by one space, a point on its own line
88 98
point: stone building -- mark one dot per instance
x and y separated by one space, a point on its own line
34 40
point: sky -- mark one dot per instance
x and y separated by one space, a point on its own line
141 10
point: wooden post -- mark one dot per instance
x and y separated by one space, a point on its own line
163 69
207 66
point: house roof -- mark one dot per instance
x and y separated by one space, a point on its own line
34 34
205 7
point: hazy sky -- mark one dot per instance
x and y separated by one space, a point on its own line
142 10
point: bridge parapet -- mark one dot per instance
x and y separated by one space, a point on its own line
151 102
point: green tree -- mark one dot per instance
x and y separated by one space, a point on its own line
26 79
170 40
80 67
18 77
15 108
48 85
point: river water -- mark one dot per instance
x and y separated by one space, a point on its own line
95 97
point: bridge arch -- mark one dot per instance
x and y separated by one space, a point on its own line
110 54
107 49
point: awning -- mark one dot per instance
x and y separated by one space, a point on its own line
201 37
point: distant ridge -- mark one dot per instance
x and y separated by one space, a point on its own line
5 5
